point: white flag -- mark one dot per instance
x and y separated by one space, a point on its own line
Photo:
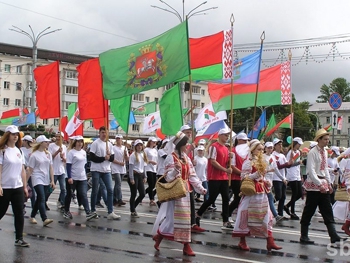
208 116
151 122
73 123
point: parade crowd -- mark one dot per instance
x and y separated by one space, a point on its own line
252 178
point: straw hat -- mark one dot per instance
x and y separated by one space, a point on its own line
320 133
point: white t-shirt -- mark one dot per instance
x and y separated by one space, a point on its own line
201 167
293 173
152 155
281 159
26 153
40 163
98 147
57 163
160 162
119 156
12 163
139 166
78 161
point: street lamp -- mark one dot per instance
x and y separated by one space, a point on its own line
34 38
317 119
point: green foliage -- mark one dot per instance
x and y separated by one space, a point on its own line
339 85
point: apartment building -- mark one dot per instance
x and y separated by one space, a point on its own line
16 87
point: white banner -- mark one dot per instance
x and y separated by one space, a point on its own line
208 116
152 122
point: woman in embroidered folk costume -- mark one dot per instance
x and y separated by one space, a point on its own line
177 164
254 216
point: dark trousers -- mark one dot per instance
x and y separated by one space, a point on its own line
280 195
42 193
151 180
323 201
137 186
295 186
217 187
236 188
68 197
193 209
15 196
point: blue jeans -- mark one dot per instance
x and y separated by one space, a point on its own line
205 185
107 179
117 192
82 187
42 191
102 193
271 204
62 183
280 195
32 199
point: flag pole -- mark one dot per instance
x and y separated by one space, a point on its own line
106 123
60 95
291 103
262 38
232 20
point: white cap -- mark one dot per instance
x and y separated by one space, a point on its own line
185 127
60 133
312 144
165 140
200 148
79 138
42 138
276 140
242 136
202 141
119 136
72 137
27 138
268 144
153 139
138 141
12 129
335 149
224 131
298 140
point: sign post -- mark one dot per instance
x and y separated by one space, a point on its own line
335 101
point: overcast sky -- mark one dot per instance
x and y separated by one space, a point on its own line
90 27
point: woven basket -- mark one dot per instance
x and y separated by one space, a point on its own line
170 191
248 187
342 195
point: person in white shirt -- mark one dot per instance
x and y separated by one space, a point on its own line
59 152
294 178
121 156
101 156
26 149
333 166
151 167
200 163
41 170
13 183
137 176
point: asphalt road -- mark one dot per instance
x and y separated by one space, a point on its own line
129 240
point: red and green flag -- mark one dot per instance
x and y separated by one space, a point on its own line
274 89
147 108
147 65
328 128
285 123
269 126
8 116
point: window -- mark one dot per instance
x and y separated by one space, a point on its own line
196 89
91 124
19 69
17 102
203 92
136 127
338 132
7 68
5 101
45 122
18 86
202 105
55 122
6 85
71 74
196 103
156 100
328 119
338 142
71 90
147 99
29 84
169 86
348 119
138 97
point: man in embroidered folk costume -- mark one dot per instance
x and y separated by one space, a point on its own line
318 187
167 225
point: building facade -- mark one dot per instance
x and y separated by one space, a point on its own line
16 87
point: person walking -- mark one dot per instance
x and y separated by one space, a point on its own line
101 156
318 187
13 182
200 163
26 149
173 221
151 167
41 171
253 214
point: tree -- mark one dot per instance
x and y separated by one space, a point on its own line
339 85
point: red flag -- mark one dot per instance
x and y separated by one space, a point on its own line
99 122
48 91
10 114
90 95
63 124
37 112
25 111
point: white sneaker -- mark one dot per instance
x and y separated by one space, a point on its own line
81 207
113 216
33 221
231 220
59 205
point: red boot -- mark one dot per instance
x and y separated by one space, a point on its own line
271 243
157 238
187 251
346 226
243 245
